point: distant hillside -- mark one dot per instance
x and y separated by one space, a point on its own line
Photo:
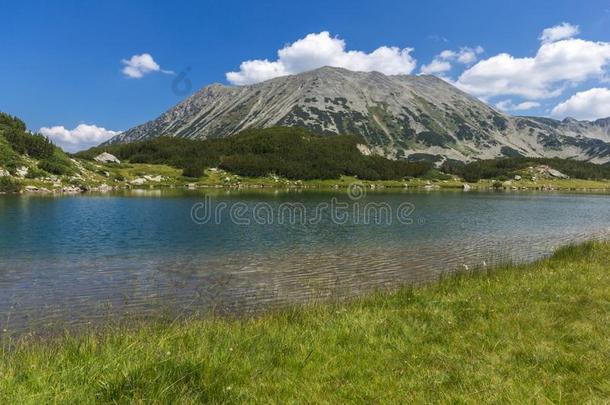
397 116
293 153
23 153
296 153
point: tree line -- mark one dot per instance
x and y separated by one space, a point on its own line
294 153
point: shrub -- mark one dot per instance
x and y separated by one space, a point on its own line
57 164
9 185
35 173
193 171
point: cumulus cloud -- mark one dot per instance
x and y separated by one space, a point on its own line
82 137
139 65
442 62
508 105
555 66
562 31
317 50
435 67
585 105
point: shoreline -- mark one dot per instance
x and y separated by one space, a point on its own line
409 338
584 186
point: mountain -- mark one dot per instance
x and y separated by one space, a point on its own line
399 116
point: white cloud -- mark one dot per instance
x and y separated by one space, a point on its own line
559 32
139 65
508 105
585 105
317 50
442 62
436 66
82 137
555 66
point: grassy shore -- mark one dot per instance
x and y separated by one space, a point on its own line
162 176
523 334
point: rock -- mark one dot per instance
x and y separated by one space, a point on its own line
71 190
31 189
4 172
364 149
156 179
557 174
467 187
106 157
507 183
22 171
517 177
190 185
138 181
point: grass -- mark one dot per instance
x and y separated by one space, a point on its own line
534 333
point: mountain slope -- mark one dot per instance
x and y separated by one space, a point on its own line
398 116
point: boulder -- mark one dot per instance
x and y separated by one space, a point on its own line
138 181
22 171
517 177
557 174
467 187
4 172
106 157
156 179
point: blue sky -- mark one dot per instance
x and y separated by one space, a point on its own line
63 63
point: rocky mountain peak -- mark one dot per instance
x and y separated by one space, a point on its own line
399 116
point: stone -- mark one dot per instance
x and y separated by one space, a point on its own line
517 177
106 157
156 179
4 172
138 181
467 187
22 171
557 174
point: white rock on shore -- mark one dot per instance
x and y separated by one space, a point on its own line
106 157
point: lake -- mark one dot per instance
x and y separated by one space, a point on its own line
67 261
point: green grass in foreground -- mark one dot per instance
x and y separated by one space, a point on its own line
536 333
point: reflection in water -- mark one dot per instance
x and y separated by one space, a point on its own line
80 259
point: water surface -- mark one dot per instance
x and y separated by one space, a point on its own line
72 260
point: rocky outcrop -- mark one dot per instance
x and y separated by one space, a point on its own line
106 157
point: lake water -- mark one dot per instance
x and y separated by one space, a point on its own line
74 260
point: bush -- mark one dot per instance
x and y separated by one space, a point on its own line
35 173
57 164
9 185
9 160
194 171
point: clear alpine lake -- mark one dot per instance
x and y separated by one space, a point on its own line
73 260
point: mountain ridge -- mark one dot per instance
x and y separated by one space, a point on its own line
399 117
